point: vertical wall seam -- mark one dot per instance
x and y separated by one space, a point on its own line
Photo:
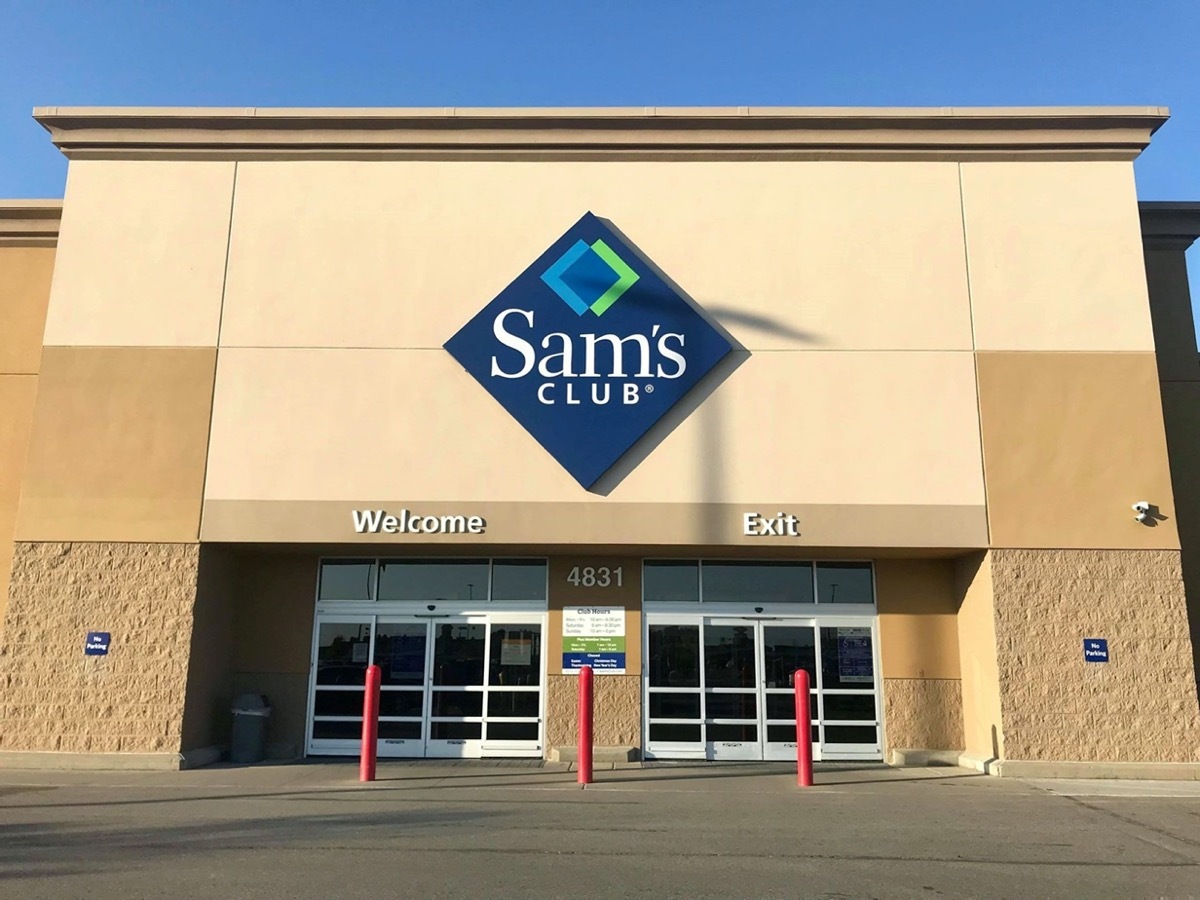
962 212
212 404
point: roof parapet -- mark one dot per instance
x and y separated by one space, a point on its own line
1169 224
571 133
29 223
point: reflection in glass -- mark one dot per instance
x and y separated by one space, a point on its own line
847 660
674 732
399 731
783 706
729 656
786 734
518 579
455 731
674 706
512 731
850 707
433 581
512 704
336 731
343 652
757 582
740 733
671 580
400 652
786 649
401 703
844 583
516 655
338 703
850 734
674 659
348 579
730 706
458 654
454 704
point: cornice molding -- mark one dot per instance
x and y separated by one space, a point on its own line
638 132
29 223
1169 225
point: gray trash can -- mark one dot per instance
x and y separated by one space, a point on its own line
250 714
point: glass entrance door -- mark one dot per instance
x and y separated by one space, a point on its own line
452 686
723 688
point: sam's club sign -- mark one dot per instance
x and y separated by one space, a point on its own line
588 348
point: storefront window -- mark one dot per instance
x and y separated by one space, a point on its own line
350 579
518 579
671 580
433 581
757 582
844 583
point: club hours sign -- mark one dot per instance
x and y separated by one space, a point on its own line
594 636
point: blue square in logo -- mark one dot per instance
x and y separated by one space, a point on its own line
589 277
588 348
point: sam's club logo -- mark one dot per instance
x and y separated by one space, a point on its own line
588 348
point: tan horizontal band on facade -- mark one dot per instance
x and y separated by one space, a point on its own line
1116 132
29 223
602 524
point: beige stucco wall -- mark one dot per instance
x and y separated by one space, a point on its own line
330 425
118 445
1070 442
1055 255
983 730
25 274
141 254
746 240
922 714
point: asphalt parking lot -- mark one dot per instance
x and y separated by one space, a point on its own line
428 829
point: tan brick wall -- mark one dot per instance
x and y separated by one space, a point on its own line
617 718
922 714
52 697
1139 706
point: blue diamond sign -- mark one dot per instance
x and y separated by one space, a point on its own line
588 348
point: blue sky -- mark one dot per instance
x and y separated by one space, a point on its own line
607 53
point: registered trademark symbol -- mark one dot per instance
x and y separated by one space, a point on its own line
649 389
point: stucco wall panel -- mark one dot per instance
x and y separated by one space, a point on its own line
616 715
118 445
1055 253
141 254
17 394
1070 442
353 425
983 729
827 254
918 634
24 293
1141 705
132 700
922 714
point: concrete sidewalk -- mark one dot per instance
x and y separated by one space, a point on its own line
525 829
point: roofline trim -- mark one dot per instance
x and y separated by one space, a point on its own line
710 131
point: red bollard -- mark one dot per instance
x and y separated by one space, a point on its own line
804 773
370 729
585 725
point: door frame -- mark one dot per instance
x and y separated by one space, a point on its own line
441 748
807 619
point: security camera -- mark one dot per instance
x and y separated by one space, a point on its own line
1142 506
